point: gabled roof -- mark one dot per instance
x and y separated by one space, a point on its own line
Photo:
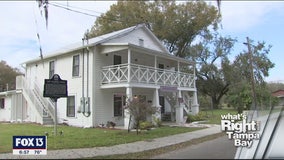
278 93
97 40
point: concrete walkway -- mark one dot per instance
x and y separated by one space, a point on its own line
119 149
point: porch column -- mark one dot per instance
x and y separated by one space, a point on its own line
156 105
179 109
195 105
126 113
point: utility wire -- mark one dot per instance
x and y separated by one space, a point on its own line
38 36
68 5
81 12
67 8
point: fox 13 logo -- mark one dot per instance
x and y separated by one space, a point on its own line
29 145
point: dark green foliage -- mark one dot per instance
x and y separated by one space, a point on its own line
145 125
8 76
198 117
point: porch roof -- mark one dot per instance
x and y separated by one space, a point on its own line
124 46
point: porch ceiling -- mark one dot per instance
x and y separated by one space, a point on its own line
110 48
138 85
118 47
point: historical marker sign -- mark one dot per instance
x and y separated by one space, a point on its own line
55 87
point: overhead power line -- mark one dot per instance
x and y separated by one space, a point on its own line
68 7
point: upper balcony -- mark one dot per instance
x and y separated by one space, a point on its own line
128 65
145 76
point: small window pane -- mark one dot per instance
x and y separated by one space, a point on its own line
117 104
51 69
76 62
2 103
70 106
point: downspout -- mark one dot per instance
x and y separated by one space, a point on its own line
83 75
86 111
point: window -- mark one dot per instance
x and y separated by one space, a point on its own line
51 69
2 103
161 66
76 60
118 103
70 106
141 42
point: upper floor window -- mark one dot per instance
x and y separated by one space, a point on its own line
51 69
2 103
75 69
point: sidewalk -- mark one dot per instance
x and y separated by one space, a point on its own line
119 149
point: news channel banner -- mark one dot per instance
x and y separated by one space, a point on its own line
29 145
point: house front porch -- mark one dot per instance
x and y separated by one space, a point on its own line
168 80
171 101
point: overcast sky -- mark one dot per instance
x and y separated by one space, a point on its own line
21 21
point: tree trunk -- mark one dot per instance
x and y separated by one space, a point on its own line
215 102
137 127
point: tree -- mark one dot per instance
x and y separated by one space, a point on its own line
138 110
239 96
241 93
212 80
260 62
8 76
177 25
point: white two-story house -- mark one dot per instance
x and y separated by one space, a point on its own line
102 71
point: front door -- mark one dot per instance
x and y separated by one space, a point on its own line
116 59
162 104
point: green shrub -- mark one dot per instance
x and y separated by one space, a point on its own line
198 117
158 122
145 125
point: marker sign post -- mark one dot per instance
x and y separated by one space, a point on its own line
55 88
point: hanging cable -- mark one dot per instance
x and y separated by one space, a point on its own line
38 36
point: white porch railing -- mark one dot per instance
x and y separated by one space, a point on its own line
134 73
187 100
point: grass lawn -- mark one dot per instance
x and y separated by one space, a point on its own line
74 137
214 116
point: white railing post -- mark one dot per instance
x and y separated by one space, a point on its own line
109 71
118 73
128 65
